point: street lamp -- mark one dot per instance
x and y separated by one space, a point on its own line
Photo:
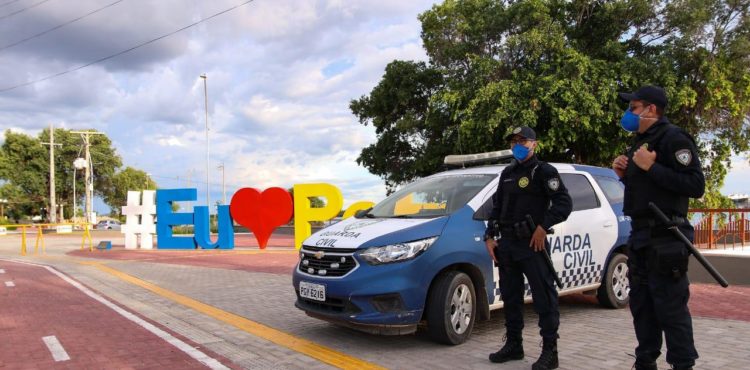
208 145
223 185
78 164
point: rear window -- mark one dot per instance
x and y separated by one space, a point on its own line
613 189
581 191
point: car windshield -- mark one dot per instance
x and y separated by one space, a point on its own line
431 197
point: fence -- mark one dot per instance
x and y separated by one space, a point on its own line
39 231
721 228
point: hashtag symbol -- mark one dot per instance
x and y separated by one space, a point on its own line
139 219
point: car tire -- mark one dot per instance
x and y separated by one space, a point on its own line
613 293
452 308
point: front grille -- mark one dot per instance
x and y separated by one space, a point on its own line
323 262
332 305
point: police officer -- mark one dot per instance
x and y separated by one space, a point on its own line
660 166
527 187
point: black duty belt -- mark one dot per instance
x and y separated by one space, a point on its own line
642 223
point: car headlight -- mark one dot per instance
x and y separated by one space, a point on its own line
396 252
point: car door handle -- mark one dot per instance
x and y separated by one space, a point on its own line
608 224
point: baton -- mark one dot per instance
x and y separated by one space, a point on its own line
691 248
547 258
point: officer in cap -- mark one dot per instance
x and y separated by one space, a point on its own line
527 188
661 166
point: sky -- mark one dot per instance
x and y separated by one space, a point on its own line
280 76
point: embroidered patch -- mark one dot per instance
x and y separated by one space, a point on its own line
517 130
553 183
644 146
523 182
684 156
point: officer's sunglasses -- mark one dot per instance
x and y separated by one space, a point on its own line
519 140
636 106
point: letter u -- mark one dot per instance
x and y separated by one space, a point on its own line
203 230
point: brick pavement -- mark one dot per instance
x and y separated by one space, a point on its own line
592 338
707 300
41 304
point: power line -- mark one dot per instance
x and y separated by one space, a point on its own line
22 10
60 26
124 51
8 3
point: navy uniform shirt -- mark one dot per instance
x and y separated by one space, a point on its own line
531 188
675 177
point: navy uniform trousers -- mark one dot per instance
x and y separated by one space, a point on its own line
658 303
516 259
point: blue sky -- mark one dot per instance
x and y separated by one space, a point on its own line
280 78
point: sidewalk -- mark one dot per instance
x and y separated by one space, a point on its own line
255 286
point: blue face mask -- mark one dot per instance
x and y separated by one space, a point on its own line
629 121
520 152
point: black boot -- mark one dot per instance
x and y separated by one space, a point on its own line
548 358
512 350
645 366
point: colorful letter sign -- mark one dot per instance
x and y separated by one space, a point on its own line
166 219
261 212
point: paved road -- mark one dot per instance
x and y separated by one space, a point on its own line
239 305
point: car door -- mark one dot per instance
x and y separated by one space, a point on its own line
580 245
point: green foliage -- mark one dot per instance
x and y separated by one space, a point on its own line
557 66
24 166
129 179
24 171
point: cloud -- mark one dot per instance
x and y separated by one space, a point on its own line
281 75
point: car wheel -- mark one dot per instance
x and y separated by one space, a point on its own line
615 289
451 308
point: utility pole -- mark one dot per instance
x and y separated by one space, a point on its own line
52 205
223 185
89 172
208 178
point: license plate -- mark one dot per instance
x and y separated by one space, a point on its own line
312 291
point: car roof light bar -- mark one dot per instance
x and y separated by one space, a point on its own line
464 160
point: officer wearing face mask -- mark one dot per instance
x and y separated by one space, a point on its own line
527 188
660 166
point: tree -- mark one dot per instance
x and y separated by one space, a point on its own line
557 66
129 179
24 167
105 162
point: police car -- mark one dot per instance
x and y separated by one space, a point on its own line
419 256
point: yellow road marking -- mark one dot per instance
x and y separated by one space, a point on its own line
304 346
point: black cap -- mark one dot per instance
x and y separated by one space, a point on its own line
652 94
523 131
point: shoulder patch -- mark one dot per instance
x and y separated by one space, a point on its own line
553 183
684 156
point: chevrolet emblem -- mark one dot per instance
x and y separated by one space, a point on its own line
319 254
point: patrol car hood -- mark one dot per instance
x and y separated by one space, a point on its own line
368 232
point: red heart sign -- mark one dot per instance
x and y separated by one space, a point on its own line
262 212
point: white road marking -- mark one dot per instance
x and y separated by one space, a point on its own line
57 350
10 284
184 347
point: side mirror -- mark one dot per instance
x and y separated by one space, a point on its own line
361 213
